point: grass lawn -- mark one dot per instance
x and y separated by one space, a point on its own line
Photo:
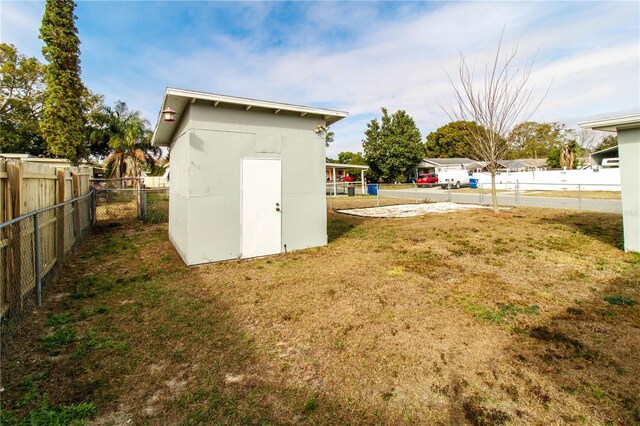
527 317
600 195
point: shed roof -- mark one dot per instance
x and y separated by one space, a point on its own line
178 99
610 150
612 124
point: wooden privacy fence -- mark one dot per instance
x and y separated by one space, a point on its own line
45 212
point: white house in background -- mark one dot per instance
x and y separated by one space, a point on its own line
437 165
523 164
628 130
608 157
247 176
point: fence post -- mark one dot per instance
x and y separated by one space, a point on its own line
377 195
75 187
93 208
579 197
449 190
36 245
144 205
517 193
14 181
60 215
415 190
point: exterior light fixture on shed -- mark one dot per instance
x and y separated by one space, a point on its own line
320 128
169 114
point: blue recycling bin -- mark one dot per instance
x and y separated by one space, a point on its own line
372 189
473 183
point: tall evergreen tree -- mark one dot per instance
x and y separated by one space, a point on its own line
62 123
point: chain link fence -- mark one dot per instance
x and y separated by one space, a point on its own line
589 197
33 248
129 205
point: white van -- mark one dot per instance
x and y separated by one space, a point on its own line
457 178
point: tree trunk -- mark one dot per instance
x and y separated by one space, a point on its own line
494 194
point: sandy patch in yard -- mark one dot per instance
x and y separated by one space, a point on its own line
410 210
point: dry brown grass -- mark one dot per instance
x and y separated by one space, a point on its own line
446 319
600 195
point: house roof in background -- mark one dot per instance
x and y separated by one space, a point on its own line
534 162
516 164
178 99
605 151
447 161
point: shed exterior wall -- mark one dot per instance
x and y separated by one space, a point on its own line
629 150
204 223
179 194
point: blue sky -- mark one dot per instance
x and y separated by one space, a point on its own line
353 56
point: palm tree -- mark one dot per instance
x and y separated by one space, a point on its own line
566 155
130 143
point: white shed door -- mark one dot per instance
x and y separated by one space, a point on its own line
261 207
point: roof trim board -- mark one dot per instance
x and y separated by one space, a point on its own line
612 124
339 166
164 130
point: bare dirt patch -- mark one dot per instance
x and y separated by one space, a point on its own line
462 318
409 210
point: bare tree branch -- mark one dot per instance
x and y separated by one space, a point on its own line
503 100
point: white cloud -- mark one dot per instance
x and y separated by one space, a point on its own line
20 26
359 56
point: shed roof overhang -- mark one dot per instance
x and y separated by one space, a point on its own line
613 124
339 166
178 99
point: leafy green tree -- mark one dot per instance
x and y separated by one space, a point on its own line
537 140
130 143
356 158
21 97
607 142
393 147
347 157
103 123
328 138
63 121
451 140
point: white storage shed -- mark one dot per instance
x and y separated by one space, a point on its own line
628 129
247 176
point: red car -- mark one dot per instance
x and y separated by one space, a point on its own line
427 180
347 178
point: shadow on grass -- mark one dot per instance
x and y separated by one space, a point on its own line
606 227
149 341
339 225
589 351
